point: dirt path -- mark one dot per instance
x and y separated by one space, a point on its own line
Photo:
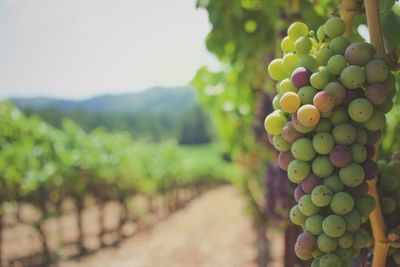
212 231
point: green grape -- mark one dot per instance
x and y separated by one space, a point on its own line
386 106
280 144
390 82
321 33
352 175
337 90
326 243
324 125
313 224
303 45
323 143
316 253
321 196
365 205
358 54
322 166
330 260
352 77
302 149
338 45
359 153
344 134
361 136
296 30
274 122
339 115
342 203
360 110
376 71
336 64
306 94
388 205
334 183
323 55
360 239
286 85
396 256
306 206
287 45
298 170
353 220
296 216
377 121
334 27
346 240
388 182
308 62
356 253
334 225
276 70
290 62
275 102
344 254
319 79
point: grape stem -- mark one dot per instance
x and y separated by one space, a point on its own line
381 247
347 10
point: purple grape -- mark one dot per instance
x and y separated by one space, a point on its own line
310 183
376 93
301 77
358 191
370 168
298 193
284 158
340 156
289 133
352 95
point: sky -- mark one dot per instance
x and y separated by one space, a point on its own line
79 48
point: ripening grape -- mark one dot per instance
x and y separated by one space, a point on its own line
290 134
321 196
287 45
322 167
298 170
334 27
340 156
303 45
334 225
290 102
308 62
334 183
346 240
337 90
344 134
301 77
276 71
324 101
358 54
336 64
308 115
286 85
359 153
339 115
309 183
360 110
290 62
326 244
284 158
376 93
377 121
274 122
376 71
353 220
352 175
280 144
296 30
306 206
323 55
324 125
319 79
338 45
323 143
352 77
301 254
365 205
313 224
373 137
342 203
300 127
307 94
306 242
296 216
298 193
303 149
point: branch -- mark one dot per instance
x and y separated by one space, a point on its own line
347 10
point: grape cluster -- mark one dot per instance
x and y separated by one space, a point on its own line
389 191
329 112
